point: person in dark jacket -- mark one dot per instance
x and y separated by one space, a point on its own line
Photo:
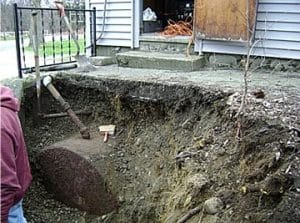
15 169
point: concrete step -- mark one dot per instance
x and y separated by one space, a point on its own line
101 60
158 43
162 61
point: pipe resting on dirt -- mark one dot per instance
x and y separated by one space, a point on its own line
64 114
84 131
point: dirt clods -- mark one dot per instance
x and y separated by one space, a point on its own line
175 151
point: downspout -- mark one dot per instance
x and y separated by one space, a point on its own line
103 22
132 23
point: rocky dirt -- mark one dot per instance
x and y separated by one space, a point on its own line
175 151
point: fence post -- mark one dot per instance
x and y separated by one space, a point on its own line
94 32
18 49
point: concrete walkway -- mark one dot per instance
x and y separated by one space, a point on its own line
8 59
221 79
224 80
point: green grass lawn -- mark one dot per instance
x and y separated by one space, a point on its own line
59 47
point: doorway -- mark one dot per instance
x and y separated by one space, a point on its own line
168 12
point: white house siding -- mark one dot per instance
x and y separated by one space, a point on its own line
277 32
119 22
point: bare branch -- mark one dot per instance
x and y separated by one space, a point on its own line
189 214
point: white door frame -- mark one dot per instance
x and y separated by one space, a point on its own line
136 4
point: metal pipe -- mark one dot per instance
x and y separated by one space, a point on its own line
64 114
53 37
84 131
84 32
22 38
18 48
43 34
35 46
61 41
60 66
94 32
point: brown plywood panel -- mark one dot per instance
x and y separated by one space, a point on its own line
224 19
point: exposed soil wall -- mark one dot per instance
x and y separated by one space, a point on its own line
174 149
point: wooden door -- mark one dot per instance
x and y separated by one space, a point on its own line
225 19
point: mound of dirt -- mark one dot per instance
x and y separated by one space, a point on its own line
175 150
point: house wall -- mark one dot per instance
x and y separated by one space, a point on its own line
119 22
277 29
277 32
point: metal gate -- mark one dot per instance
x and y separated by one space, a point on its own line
56 44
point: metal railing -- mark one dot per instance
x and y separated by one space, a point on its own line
56 44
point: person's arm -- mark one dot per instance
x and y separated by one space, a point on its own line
9 180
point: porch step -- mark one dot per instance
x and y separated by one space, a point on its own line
101 60
157 60
158 43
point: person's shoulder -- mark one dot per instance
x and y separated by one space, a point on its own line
9 118
7 112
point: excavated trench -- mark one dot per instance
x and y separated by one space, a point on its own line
174 148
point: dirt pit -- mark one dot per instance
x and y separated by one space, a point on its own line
175 150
